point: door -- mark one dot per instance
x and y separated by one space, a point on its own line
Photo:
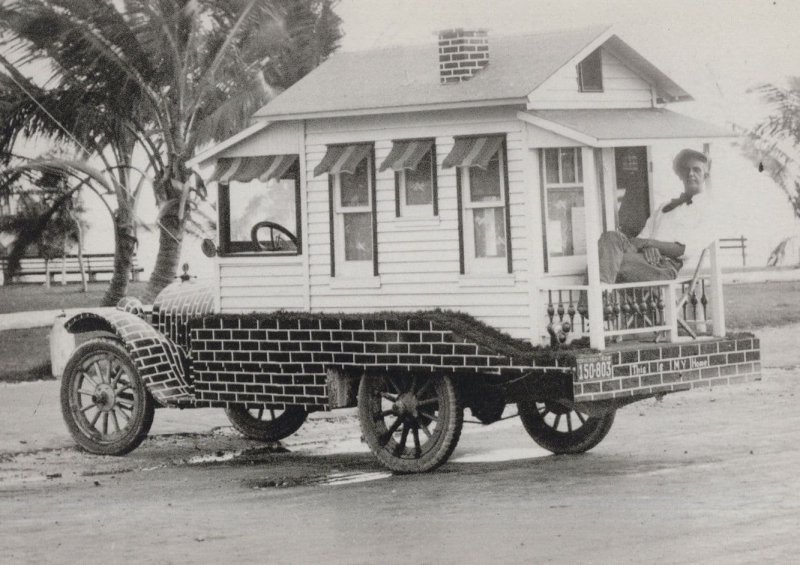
633 189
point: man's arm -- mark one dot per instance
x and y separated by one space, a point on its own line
673 250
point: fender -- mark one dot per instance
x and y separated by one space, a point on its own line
163 365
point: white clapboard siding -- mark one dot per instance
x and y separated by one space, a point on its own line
418 259
622 88
273 283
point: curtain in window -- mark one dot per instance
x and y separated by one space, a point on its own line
342 159
473 151
245 169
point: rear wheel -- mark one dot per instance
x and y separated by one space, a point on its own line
266 424
104 402
561 429
412 424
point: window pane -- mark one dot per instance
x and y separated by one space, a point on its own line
568 165
419 183
551 165
490 232
566 226
591 72
484 185
257 201
358 236
355 187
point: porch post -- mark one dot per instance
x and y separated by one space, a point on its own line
717 302
592 213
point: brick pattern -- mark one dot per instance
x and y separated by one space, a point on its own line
281 360
462 53
179 303
164 368
672 367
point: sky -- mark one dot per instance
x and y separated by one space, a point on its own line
715 49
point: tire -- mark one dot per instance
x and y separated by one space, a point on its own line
393 407
278 425
553 427
104 401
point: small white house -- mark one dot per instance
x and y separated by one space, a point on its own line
473 175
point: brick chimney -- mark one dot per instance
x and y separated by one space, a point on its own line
462 53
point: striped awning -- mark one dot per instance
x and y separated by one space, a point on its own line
406 154
342 159
245 169
473 151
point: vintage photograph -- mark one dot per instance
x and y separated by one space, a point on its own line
399 281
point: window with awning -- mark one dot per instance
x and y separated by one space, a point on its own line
414 165
246 169
259 204
351 184
483 193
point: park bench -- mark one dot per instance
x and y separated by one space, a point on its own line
94 264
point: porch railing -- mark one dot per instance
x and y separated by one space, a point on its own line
672 308
685 308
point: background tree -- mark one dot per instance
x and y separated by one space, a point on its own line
774 146
164 77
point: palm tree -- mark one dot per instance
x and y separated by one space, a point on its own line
774 143
160 78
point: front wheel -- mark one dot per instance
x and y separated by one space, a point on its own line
412 424
266 424
561 429
104 401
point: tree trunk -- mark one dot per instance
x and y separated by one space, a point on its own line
64 264
169 253
124 248
81 267
46 272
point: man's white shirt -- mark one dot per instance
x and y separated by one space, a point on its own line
693 225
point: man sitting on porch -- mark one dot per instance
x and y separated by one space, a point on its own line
677 233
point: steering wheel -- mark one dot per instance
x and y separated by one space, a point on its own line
274 243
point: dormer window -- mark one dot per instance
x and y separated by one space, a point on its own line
590 73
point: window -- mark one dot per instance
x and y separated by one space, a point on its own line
485 215
590 73
564 204
416 189
273 205
354 220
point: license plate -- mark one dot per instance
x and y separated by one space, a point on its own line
594 367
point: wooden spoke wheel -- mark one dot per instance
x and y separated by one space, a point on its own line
412 424
561 429
103 400
266 424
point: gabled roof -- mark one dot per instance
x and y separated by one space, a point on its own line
407 78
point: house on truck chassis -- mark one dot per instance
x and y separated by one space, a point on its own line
408 230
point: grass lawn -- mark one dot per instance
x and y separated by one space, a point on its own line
34 296
25 354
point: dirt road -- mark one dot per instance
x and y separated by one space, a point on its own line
702 477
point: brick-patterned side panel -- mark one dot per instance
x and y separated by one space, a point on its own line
280 361
160 363
179 303
672 367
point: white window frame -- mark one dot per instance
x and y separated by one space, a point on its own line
472 263
345 268
562 264
416 211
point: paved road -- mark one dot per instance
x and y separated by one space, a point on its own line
701 477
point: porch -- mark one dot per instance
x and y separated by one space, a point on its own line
615 153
